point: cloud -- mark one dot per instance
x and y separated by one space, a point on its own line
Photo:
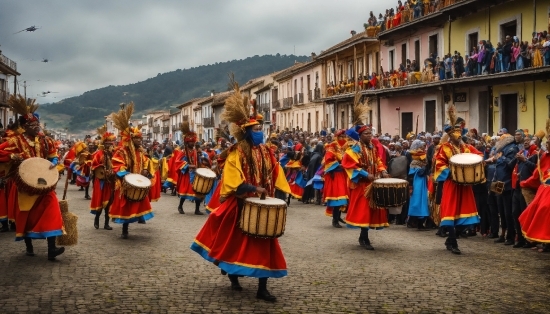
91 44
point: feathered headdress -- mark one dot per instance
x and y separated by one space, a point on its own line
360 109
237 111
188 135
25 108
121 121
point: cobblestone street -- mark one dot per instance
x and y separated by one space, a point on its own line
154 271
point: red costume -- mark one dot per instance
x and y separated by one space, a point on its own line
335 189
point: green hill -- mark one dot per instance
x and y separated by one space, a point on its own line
87 111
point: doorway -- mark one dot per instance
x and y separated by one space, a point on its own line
508 29
406 123
429 113
433 47
483 105
509 112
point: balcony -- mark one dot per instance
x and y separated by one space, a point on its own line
156 129
264 107
317 92
150 122
287 103
149 135
309 96
165 130
208 122
175 127
10 65
295 99
301 98
276 104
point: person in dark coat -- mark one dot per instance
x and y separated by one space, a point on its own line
312 167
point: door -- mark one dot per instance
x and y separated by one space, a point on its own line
483 105
406 123
509 112
429 109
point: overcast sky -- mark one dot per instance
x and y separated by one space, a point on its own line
95 43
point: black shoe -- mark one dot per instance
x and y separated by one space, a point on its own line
336 225
341 220
361 242
509 242
180 210
72 183
224 272
87 197
81 189
29 252
198 212
368 247
141 221
124 235
55 252
500 240
528 245
518 245
455 250
96 222
422 228
448 245
492 236
4 228
266 296
107 227
235 286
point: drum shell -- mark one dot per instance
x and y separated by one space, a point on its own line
262 221
467 174
390 194
23 186
99 173
134 193
202 184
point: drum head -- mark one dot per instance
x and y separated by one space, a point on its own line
389 181
267 201
466 159
137 180
36 172
205 172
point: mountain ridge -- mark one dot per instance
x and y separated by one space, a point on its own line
87 111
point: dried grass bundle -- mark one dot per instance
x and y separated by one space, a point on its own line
236 110
184 127
101 130
451 112
360 109
70 231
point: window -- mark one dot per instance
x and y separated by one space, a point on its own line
377 66
473 39
508 29
433 48
340 72
369 63
351 73
417 51
302 84
360 66
295 86
404 54
330 72
391 60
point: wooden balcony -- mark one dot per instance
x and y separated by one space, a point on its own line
156 129
165 130
7 65
287 103
317 93
276 104
4 95
264 107
208 122
309 93
300 98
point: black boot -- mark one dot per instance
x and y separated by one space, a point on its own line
96 219
365 237
30 250
235 285
454 247
53 251
87 195
448 245
336 217
106 225
263 293
288 200
197 208
124 234
5 227
180 207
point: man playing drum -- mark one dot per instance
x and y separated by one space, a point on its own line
458 205
127 159
363 164
102 166
36 216
250 170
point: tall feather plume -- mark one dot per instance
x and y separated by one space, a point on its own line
236 110
360 109
184 127
101 130
19 105
121 120
451 112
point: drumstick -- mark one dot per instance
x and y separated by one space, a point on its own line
69 174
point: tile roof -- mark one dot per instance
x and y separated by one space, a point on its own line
344 44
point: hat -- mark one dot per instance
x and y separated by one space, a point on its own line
340 132
361 128
273 135
108 137
540 134
353 134
503 130
447 128
190 137
79 147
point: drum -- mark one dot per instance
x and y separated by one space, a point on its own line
99 172
467 169
263 218
389 192
35 177
204 180
135 187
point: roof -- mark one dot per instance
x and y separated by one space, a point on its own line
165 117
189 102
357 38
205 100
289 71
252 83
263 89
219 99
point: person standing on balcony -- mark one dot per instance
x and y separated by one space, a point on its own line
506 54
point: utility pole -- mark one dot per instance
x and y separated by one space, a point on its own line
25 88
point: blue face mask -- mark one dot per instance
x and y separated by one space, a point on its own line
257 137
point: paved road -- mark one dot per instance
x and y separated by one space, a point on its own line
154 271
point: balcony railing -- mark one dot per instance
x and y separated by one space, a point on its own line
276 104
287 103
317 92
4 95
296 99
156 129
165 130
264 107
8 62
309 96
301 98
208 122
